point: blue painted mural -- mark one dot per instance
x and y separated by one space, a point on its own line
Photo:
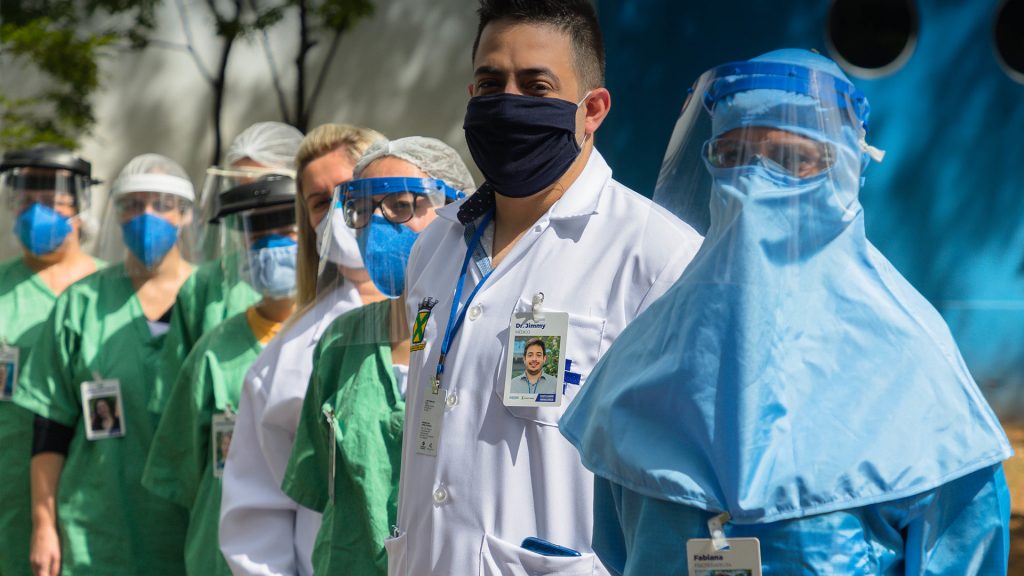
947 204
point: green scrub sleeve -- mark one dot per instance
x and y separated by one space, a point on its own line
47 386
181 444
307 475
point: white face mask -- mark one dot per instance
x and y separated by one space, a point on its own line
342 248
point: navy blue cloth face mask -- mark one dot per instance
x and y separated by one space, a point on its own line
522 144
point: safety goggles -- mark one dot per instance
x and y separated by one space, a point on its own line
131 205
797 156
396 199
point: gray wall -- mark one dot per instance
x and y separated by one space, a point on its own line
403 72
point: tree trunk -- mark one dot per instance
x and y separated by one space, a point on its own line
301 115
219 85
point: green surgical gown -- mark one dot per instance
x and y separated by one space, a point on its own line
353 402
202 304
25 302
180 463
109 524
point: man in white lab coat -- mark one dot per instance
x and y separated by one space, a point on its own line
489 485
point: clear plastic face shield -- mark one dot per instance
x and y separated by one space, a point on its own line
258 238
149 223
41 208
772 152
218 181
386 215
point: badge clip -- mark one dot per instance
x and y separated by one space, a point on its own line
538 306
718 539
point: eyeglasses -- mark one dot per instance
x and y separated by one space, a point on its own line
396 207
161 204
802 159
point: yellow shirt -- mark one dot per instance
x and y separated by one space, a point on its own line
262 328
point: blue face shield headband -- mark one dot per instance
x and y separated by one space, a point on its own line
827 89
356 197
384 242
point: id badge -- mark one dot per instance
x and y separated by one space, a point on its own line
535 368
8 371
222 428
428 436
741 558
103 409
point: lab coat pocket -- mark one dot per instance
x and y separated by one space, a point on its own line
500 558
396 555
584 345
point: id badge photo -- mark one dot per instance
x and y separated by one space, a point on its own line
103 409
222 429
535 368
8 372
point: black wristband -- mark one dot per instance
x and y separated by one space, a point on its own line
50 436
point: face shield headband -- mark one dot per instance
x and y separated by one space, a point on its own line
356 198
824 89
364 187
737 77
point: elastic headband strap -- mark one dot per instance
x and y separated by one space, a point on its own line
162 183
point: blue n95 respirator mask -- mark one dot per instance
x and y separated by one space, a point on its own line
42 229
385 248
149 238
271 264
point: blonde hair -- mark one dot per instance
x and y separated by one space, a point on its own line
319 142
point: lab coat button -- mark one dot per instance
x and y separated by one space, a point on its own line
440 495
452 399
475 312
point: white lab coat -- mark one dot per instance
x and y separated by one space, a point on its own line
602 253
262 531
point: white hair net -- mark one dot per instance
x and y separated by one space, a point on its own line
430 155
154 173
273 144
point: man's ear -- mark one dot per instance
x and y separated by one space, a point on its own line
597 107
469 88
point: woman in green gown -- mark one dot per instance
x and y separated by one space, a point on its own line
210 296
90 513
45 189
347 452
186 461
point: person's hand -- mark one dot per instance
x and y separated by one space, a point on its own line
45 554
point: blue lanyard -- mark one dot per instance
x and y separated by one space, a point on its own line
457 314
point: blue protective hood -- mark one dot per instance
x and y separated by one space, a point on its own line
790 371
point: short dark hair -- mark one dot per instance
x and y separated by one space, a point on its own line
536 342
577 18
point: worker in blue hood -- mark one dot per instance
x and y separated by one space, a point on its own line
792 405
